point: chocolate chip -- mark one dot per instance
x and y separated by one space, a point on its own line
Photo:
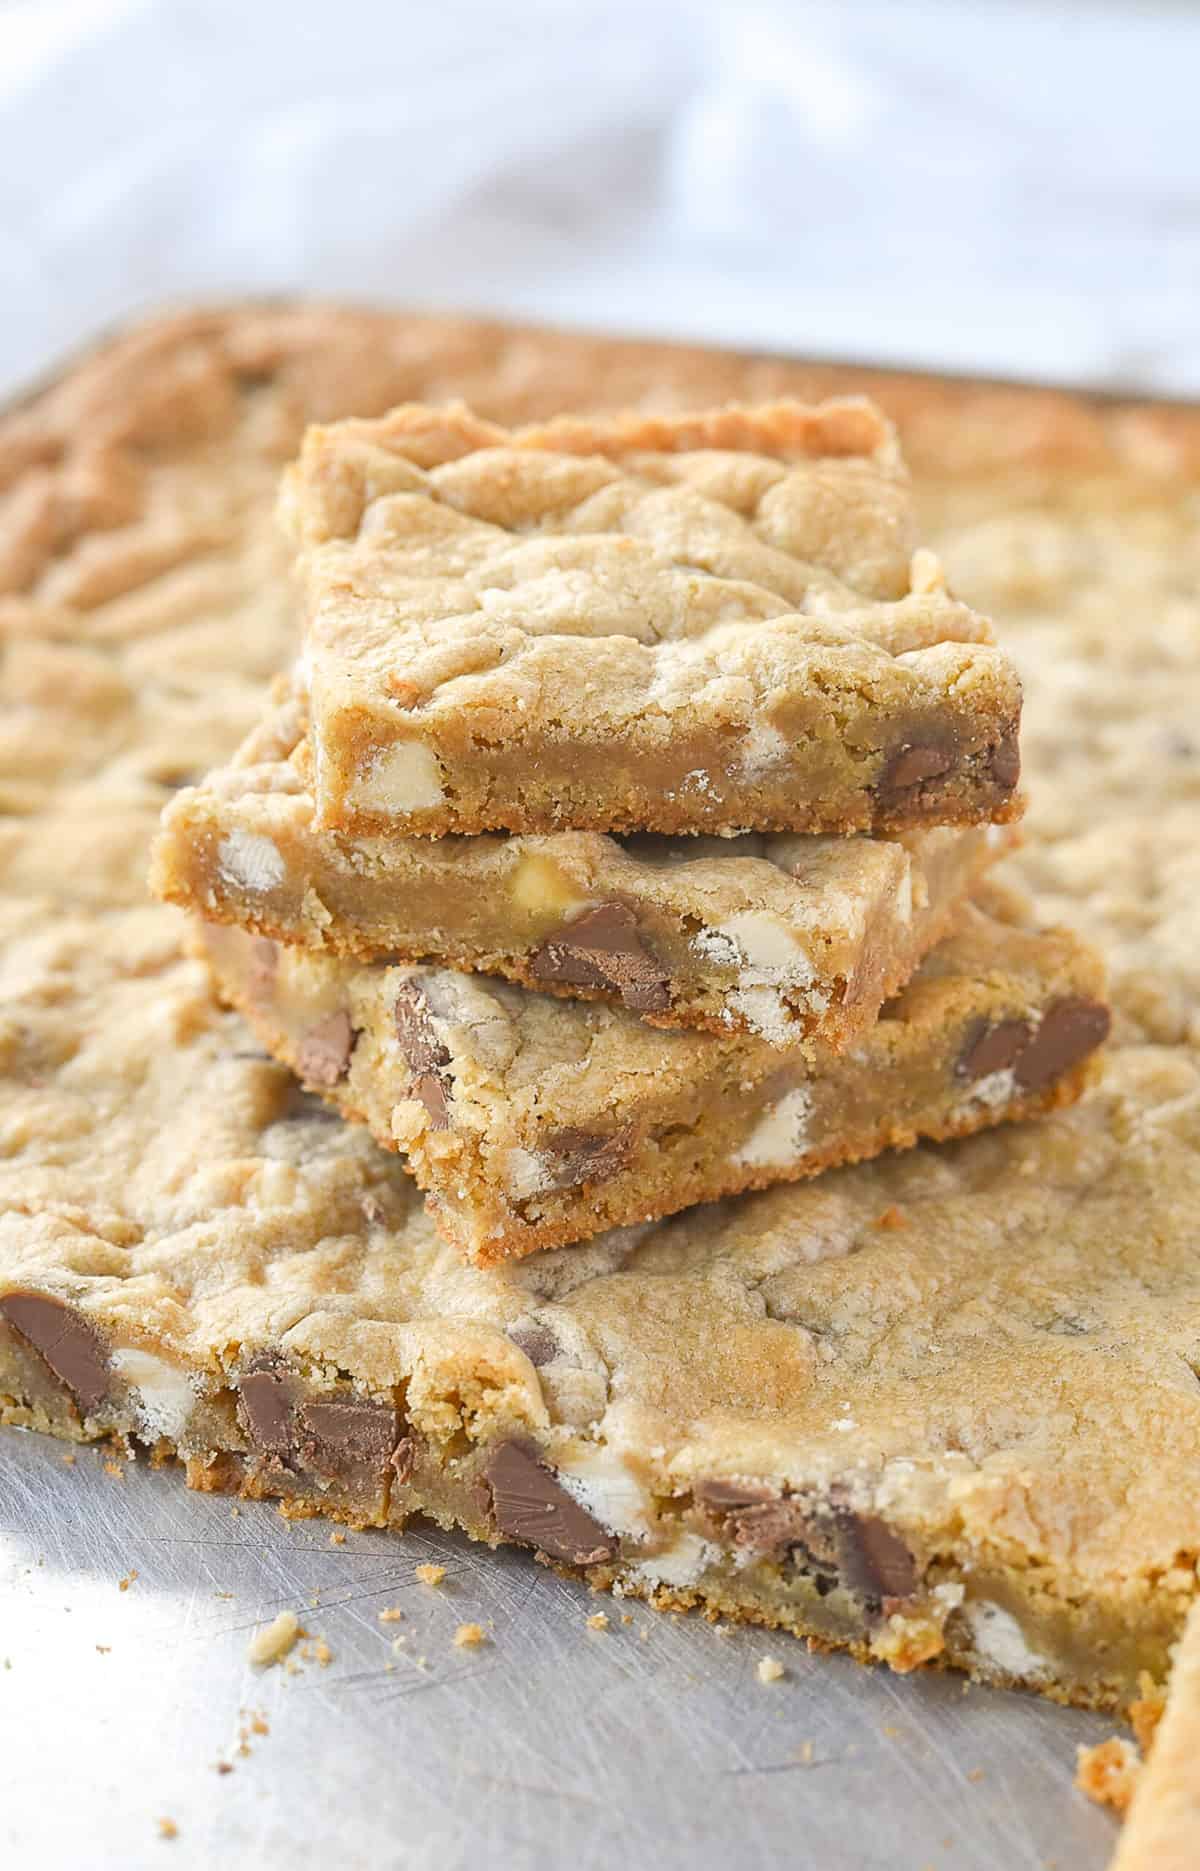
323 1055
431 1092
603 948
265 1398
874 1562
587 1156
531 1506
64 1340
1069 1031
347 1437
536 1341
771 1526
426 1053
724 1495
418 1037
1006 761
912 766
993 1048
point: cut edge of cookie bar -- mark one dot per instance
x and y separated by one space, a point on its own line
562 627
786 939
447 1419
1001 1024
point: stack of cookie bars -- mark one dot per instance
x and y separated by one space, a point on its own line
617 843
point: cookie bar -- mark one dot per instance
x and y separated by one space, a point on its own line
782 937
531 1122
698 623
905 1408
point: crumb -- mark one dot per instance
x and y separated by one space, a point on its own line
322 1653
224 1767
222 1594
891 1731
259 1725
1146 1712
769 1670
124 1584
644 1634
271 1642
1108 1773
805 1753
470 1636
68 1459
118 1474
431 1575
235 1513
975 1775
337 1538
892 1217
598 1621
398 1643
391 1614
104 1649
627 1617
168 1829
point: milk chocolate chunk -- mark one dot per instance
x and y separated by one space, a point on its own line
912 766
65 1342
723 1496
536 1341
993 1048
426 1053
344 1437
770 1527
531 1506
323 1055
1006 761
1068 1032
603 948
587 1156
874 1562
265 1398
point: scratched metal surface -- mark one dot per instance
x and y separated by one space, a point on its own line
651 1744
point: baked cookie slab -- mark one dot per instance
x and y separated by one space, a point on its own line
532 1122
783 937
906 1408
704 623
991 1345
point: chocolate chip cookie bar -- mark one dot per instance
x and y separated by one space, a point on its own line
705 623
532 1122
986 1349
906 1408
784 937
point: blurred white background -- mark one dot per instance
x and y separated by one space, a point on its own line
989 185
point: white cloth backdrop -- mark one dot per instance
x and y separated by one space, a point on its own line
975 184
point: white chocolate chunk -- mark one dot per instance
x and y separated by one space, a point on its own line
167 1397
769 947
781 1136
271 1642
1001 1641
405 777
682 1564
251 861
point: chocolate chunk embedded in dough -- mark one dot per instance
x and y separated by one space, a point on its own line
342 1437
266 1409
587 1156
727 1495
425 1052
323 1055
1006 760
874 1563
65 1341
993 1048
530 1505
912 766
1068 1032
536 1341
603 948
